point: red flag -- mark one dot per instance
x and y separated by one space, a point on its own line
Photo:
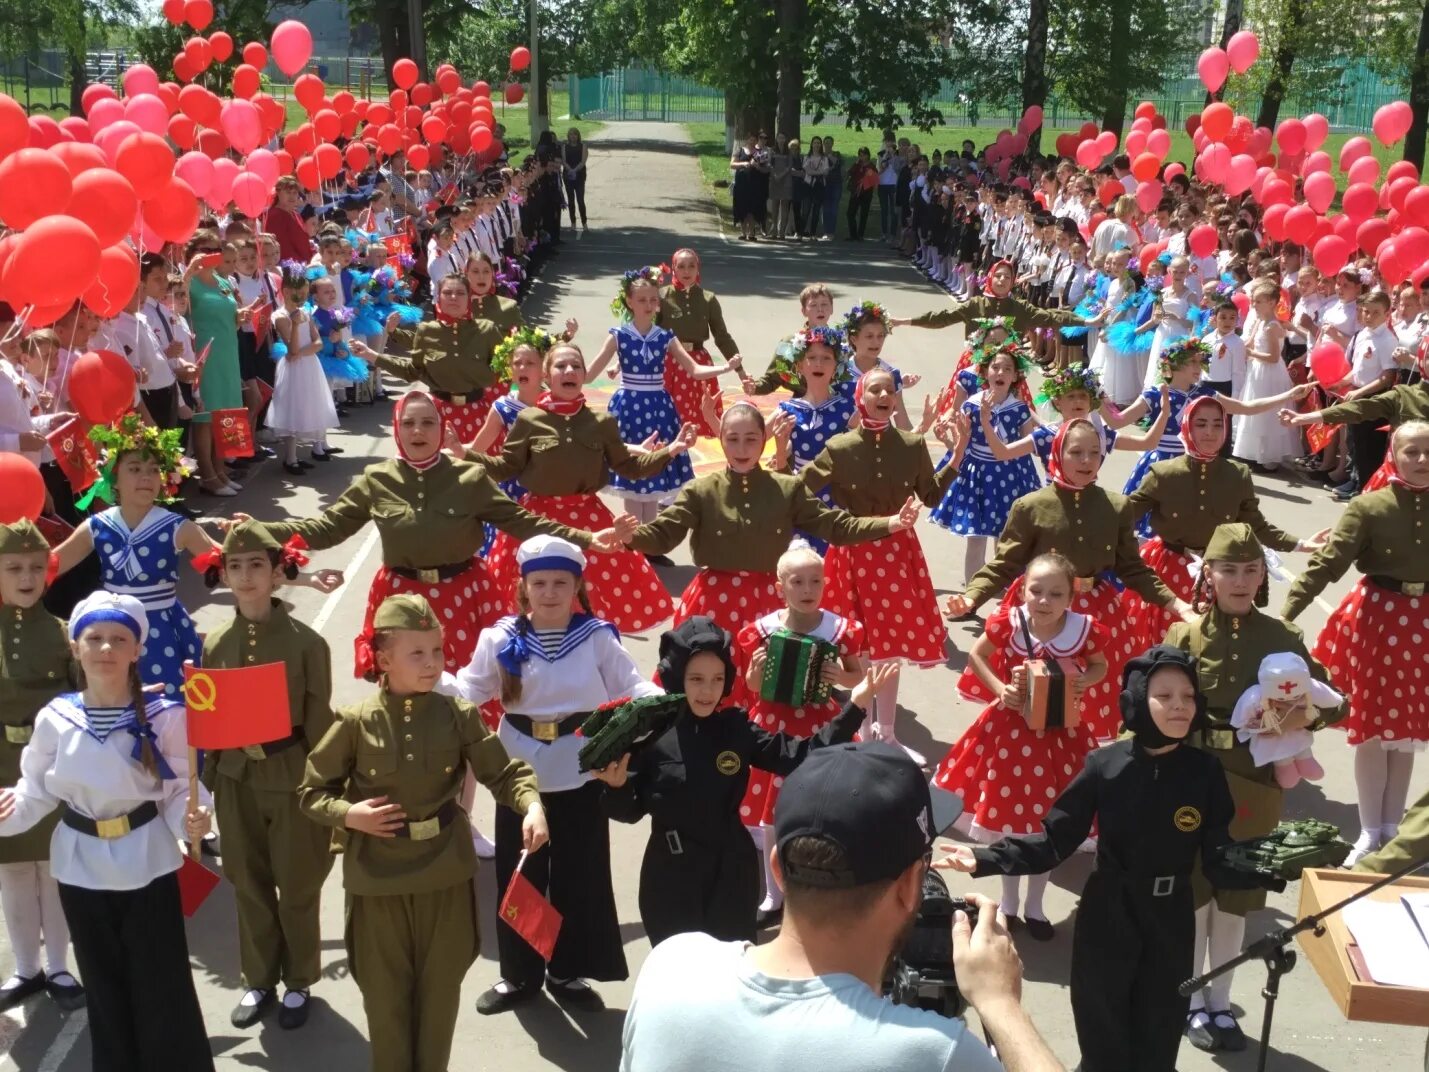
530 915
76 454
196 882
232 438
236 708
262 320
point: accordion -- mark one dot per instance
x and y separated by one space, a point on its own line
794 669
1048 704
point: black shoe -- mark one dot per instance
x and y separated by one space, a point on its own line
295 468
1202 1032
1014 922
248 1015
660 560
1040 930
1231 1036
14 995
494 1001
291 1017
576 993
326 456
64 988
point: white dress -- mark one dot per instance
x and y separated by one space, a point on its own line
1177 325
1121 374
1261 437
302 400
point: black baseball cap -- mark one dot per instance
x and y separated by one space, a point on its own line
869 799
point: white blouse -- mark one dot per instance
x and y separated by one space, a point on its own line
68 763
592 668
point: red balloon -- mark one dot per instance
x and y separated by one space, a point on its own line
328 124
1274 221
433 129
358 156
14 125
54 261
34 183
514 93
198 53
481 137
255 55
1109 191
448 81
482 89
1371 234
245 81
1412 245
328 160
1328 363
343 102
520 58
1203 240
183 132
309 91
1216 120
418 156
1399 189
307 172
212 144
101 386
1360 202
92 95
221 45
79 157
200 105
106 201
404 73
174 11
1291 136
1066 145
1301 223
1331 253
1391 264
116 282
172 213
146 161
198 13
389 139
250 194
398 101
1416 206
22 489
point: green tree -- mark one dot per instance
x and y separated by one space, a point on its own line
158 40
1302 56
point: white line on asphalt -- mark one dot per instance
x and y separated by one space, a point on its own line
333 598
64 1042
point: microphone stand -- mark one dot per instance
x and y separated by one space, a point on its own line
1273 948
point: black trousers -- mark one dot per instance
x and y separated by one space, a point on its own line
1130 951
573 871
575 196
134 959
709 888
1367 446
857 213
163 405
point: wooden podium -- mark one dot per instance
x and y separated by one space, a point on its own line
1337 959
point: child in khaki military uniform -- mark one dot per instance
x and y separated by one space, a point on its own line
390 771
276 858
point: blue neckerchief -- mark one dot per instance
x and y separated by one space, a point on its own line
520 645
146 733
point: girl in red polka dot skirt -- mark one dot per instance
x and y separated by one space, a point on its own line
885 584
1007 773
1376 643
694 315
563 452
801 586
741 519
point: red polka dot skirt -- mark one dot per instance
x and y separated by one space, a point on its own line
730 597
1149 623
622 587
885 585
466 418
1376 647
465 605
688 393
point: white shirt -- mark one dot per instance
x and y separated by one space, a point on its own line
1228 360
17 413
1111 234
442 265
1372 354
131 336
1311 305
1071 283
592 670
66 763
1343 316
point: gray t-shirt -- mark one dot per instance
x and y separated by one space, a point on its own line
699 1005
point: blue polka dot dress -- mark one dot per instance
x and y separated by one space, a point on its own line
814 426
1169 446
507 407
641 406
144 563
984 490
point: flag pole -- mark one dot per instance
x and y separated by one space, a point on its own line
193 798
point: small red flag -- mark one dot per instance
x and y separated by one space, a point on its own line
236 708
76 454
232 437
530 915
262 320
196 882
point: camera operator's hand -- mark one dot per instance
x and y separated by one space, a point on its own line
988 967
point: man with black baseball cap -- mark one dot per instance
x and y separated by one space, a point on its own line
854 829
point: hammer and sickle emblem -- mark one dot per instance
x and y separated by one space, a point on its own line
201 693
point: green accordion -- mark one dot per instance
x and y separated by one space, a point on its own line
623 726
794 669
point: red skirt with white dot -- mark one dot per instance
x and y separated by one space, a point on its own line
730 597
466 418
688 393
622 587
1148 622
885 585
1376 648
1008 774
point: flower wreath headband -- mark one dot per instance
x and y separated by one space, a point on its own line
821 335
538 339
1180 353
1064 381
131 435
650 274
861 314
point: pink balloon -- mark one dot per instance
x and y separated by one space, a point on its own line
1240 174
1400 169
250 194
1276 192
1352 150
1364 170
1172 170
1213 66
1315 162
1291 136
148 113
76 128
111 137
242 124
140 79
265 165
1148 195
291 46
1317 129
1135 143
1088 155
1392 122
196 169
106 110
1319 190
1106 142
1158 143
1241 51
1395 192
220 192
1259 143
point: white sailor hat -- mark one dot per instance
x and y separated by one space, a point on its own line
104 606
549 553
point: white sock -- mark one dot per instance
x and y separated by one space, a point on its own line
53 924
1227 937
320 444
773 895
1009 901
1371 774
974 556
1036 888
20 901
1198 953
290 450
1399 768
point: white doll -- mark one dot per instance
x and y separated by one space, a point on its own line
1284 691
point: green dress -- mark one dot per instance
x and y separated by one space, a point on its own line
214 315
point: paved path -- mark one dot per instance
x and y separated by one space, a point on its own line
646 201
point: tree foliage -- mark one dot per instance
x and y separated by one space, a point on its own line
158 40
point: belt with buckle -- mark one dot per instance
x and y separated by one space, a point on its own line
270 748
1220 740
546 730
111 828
1086 584
19 733
673 843
434 574
426 829
1404 588
455 400
1163 885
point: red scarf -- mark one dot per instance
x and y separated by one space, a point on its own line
1190 411
987 281
565 407
397 408
1392 471
442 317
1054 456
867 421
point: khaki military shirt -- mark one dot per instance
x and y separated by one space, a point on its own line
1188 499
454 358
503 312
871 474
694 315
1406 402
556 455
1024 314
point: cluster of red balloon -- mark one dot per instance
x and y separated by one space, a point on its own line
1010 145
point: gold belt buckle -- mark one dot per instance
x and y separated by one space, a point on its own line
544 731
111 828
1086 584
254 751
19 734
1412 588
424 829
459 400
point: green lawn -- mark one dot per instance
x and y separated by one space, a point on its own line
708 140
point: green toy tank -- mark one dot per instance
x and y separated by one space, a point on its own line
622 726
1288 849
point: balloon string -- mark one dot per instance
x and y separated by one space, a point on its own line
62 387
15 330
